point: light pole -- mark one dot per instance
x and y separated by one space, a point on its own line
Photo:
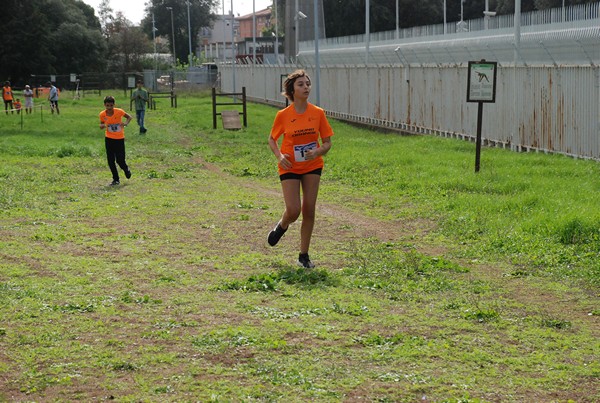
189 35
233 48
317 59
462 24
276 35
298 15
154 40
296 11
397 21
173 36
224 34
367 30
445 29
253 33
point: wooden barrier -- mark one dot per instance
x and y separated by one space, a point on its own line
153 95
243 103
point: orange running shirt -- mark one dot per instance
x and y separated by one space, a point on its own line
113 127
301 132
7 94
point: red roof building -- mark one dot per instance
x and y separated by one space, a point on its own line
263 20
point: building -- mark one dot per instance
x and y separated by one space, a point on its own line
261 40
263 21
217 40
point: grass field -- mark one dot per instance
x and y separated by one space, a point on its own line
433 283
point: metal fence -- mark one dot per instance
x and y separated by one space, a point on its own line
564 17
546 108
548 91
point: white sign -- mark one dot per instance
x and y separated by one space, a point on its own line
481 84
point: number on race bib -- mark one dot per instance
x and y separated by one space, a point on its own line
301 149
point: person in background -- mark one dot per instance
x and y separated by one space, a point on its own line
140 97
17 105
7 96
306 137
28 94
53 98
111 120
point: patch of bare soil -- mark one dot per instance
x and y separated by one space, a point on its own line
339 223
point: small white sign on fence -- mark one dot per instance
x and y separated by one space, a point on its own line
481 82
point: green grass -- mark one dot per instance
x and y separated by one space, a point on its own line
433 283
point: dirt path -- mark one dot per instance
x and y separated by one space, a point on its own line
342 223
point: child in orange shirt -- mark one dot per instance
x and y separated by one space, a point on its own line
111 120
17 105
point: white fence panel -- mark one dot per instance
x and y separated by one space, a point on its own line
546 108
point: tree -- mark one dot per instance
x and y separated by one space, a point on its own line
79 49
35 34
200 16
127 45
106 16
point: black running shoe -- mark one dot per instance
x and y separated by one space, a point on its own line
128 174
115 183
276 234
304 261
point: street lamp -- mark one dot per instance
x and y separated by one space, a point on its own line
173 36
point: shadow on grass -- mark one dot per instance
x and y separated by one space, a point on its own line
301 277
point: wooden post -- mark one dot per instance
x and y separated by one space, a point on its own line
244 106
214 107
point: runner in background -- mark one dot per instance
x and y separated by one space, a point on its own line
28 94
53 98
140 98
7 96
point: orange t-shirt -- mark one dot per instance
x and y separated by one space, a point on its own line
301 132
113 126
7 93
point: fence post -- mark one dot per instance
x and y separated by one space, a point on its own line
214 107
244 106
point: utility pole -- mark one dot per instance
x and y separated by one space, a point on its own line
190 56
173 37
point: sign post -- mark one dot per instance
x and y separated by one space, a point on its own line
481 87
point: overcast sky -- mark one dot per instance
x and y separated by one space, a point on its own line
134 9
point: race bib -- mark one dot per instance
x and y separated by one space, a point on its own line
301 149
115 128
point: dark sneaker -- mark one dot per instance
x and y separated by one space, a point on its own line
276 234
115 183
128 174
304 261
